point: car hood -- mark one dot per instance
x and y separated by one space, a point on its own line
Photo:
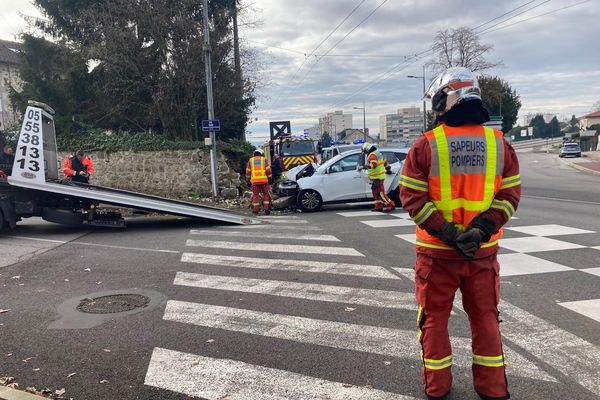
301 171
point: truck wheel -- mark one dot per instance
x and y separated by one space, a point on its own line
63 217
309 200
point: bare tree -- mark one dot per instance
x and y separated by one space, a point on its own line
460 48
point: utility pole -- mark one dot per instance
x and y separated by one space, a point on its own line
209 102
424 102
363 108
236 60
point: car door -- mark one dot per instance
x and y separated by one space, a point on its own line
342 180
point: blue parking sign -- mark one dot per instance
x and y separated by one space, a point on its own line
211 125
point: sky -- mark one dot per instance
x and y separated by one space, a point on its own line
548 49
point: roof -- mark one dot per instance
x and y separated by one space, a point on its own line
595 114
9 52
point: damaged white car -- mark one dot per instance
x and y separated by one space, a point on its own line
339 181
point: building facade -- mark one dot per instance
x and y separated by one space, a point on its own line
314 132
9 76
587 121
334 123
404 125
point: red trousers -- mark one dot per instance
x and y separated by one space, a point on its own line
379 196
257 189
436 282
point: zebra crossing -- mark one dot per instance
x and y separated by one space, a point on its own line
224 377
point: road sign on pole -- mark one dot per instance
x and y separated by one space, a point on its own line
211 125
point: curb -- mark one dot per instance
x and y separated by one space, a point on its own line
579 167
7 393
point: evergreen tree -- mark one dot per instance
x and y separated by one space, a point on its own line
540 128
500 99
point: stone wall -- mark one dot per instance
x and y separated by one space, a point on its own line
171 173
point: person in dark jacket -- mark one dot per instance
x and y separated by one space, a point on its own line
7 158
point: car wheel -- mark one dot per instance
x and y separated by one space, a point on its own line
309 200
395 196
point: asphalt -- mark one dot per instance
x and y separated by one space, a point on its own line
40 350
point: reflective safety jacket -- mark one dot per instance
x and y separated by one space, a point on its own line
455 174
72 165
257 170
377 164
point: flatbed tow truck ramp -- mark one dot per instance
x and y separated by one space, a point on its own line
35 189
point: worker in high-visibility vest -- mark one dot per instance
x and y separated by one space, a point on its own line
377 168
460 184
259 176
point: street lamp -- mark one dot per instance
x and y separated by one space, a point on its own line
424 105
364 120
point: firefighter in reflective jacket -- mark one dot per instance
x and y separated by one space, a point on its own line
78 167
460 184
258 175
377 167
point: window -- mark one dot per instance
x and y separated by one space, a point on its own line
349 163
389 157
296 148
400 156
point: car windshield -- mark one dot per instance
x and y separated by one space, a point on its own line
343 149
572 146
296 148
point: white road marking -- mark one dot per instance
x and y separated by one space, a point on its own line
409 237
536 243
214 378
373 271
77 243
388 223
525 264
589 308
548 230
573 356
562 200
288 221
276 227
278 248
290 236
340 335
593 271
308 291
364 213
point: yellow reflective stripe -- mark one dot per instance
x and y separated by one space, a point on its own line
437 364
489 244
510 181
419 315
444 165
425 213
489 361
490 169
416 182
505 206
410 185
432 246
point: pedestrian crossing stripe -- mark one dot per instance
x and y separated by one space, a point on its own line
287 236
389 342
276 248
215 378
388 223
306 291
372 271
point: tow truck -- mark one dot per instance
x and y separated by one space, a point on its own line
294 149
35 189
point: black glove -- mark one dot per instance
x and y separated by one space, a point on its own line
488 227
389 172
249 183
467 243
448 233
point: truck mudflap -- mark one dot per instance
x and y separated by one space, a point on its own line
36 167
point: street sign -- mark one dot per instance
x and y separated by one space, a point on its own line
211 125
496 118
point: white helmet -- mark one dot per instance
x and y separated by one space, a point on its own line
366 147
453 86
259 152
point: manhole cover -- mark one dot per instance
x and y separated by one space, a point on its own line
115 303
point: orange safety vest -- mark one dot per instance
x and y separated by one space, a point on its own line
377 173
465 175
259 171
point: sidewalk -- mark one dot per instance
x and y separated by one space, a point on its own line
589 162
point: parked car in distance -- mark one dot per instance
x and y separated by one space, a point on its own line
570 149
339 181
327 153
